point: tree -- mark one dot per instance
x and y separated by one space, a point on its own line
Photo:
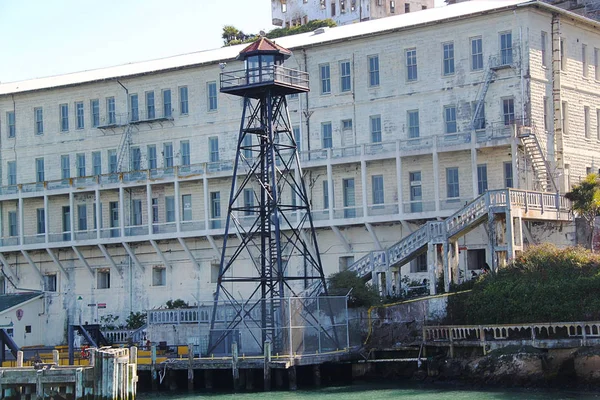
585 201
362 294
231 36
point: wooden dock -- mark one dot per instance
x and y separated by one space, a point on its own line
111 375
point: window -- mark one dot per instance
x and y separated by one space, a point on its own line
65 167
325 78
213 148
49 284
212 96
333 9
12 172
326 138
411 64
159 276
97 163
81 165
544 51
10 120
152 164
563 58
39 120
373 70
248 145
546 114
64 117
508 174
325 195
150 106
215 210
565 118
419 264
597 64
185 152
345 77
186 204
586 121
450 119
12 223
412 118
215 269
112 162
136 212
167 110
170 208
448 49
134 108
39 170
82 217
342 6
113 208
111 110
452 189
508 111
377 186
349 198
482 183
79 115
598 123
183 100
95 107
168 155
479 119
393 7
155 214
506 48
41 220
283 7
136 159
375 122
248 201
476 54
346 124
103 278
584 61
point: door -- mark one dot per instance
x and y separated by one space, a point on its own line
114 219
66 222
349 199
416 194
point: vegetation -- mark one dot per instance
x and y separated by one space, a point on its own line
585 201
544 284
171 304
135 320
362 294
232 36
109 322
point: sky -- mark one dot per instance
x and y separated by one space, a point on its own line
50 37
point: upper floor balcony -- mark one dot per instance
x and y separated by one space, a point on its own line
253 81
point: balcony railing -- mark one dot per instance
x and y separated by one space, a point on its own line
264 75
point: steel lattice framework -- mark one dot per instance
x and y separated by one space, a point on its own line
270 230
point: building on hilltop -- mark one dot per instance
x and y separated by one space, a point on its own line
114 182
287 13
586 8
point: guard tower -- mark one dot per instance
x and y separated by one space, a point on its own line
270 252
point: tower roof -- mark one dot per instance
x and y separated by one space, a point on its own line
262 45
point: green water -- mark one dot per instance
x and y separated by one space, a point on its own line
387 391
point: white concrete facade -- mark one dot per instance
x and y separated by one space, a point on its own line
386 138
286 13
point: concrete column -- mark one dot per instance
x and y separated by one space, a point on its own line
46 218
491 246
363 179
72 213
330 184
474 164
149 206
177 206
446 265
431 267
206 201
514 153
98 215
436 176
153 372
122 211
190 366
21 223
510 237
55 357
453 259
399 180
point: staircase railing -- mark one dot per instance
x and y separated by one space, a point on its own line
539 163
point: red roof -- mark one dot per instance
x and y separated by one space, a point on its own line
264 45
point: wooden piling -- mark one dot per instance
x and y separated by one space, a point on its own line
316 375
234 366
55 357
267 366
190 370
292 378
153 373
19 359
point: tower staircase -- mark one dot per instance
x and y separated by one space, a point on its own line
544 180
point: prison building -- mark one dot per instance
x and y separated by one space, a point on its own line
290 13
115 181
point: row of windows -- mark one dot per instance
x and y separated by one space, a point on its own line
565 117
413 124
448 63
135 114
546 58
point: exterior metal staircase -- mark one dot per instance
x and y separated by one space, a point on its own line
490 73
544 180
124 149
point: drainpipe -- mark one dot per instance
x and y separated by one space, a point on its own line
557 103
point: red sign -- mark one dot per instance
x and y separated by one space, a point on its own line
101 305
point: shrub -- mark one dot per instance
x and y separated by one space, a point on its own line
362 294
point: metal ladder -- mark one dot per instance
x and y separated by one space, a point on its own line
533 151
